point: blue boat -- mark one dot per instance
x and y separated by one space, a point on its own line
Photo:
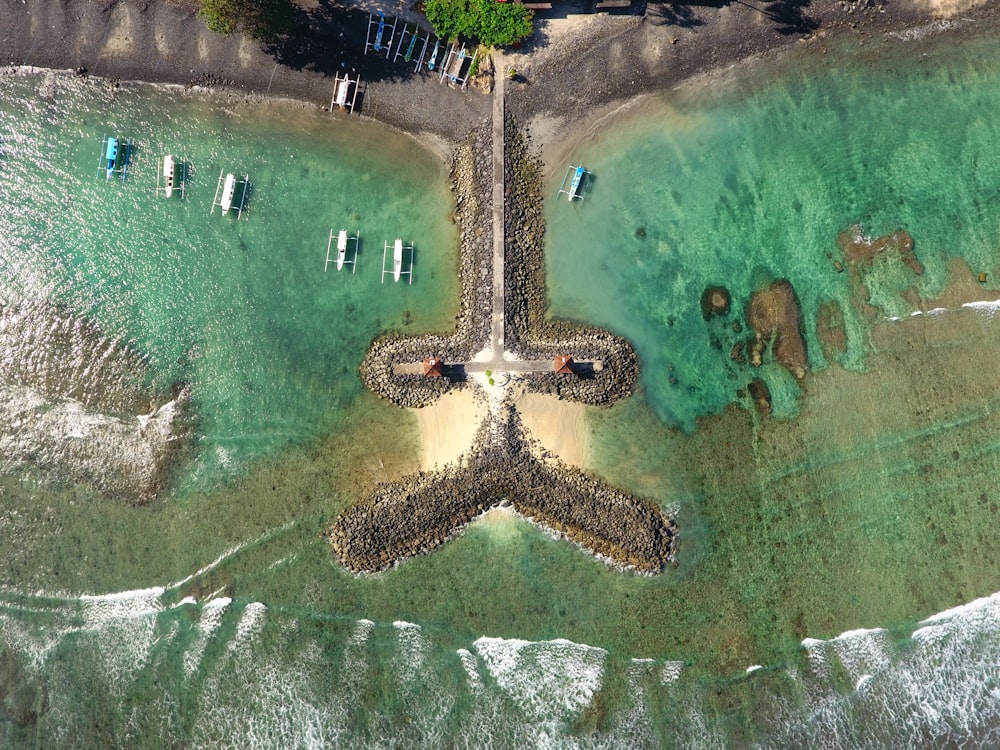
575 177
575 185
381 29
111 155
434 55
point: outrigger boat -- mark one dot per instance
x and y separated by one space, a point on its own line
577 174
225 194
434 55
173 176
397 261
111 156
381 30
343 238
114 157
168 175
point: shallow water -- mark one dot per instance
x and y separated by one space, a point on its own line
215 617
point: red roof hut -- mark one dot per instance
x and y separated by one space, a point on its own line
432 367
563 365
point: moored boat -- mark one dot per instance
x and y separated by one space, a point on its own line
227 193
341 248
397 259
111 156
168 175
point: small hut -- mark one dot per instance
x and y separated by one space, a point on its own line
563 365
432 367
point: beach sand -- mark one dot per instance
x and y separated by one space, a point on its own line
448 426
559 426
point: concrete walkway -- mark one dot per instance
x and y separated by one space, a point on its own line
493 357
496 331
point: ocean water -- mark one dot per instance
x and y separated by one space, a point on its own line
817 545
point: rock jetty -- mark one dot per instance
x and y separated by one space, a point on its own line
503 467
421 512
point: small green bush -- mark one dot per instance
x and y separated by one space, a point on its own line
489 22
262 20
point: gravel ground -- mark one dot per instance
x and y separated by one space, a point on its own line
575 66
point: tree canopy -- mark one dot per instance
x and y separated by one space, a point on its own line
495 24
262 20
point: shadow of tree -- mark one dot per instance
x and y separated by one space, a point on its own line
662 14
788 15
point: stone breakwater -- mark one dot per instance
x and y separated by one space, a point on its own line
415 515
529 333
503 467
472 185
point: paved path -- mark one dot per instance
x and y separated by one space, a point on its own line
496 331
494 358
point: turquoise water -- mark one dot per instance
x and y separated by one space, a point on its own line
241 310
741 184
812 545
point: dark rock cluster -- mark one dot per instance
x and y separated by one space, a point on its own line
415 515
529 333
775 316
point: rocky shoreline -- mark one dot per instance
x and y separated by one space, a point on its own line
529 332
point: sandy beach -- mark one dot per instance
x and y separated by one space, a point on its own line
559 426
447 427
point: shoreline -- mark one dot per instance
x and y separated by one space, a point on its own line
578 74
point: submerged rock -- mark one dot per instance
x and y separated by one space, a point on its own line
860 250
714 301
22 699
761 396
774 314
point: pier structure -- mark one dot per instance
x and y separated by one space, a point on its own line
503 346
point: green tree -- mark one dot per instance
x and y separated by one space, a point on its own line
262 20
495 24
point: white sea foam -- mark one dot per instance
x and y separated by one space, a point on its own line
208 623
550 681
671 671
471 667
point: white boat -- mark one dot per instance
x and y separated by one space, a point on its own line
397 259
168 175
343 87
341 248
227 193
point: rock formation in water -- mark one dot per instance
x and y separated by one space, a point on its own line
714 301
774 316
22 698
415 515
859 250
